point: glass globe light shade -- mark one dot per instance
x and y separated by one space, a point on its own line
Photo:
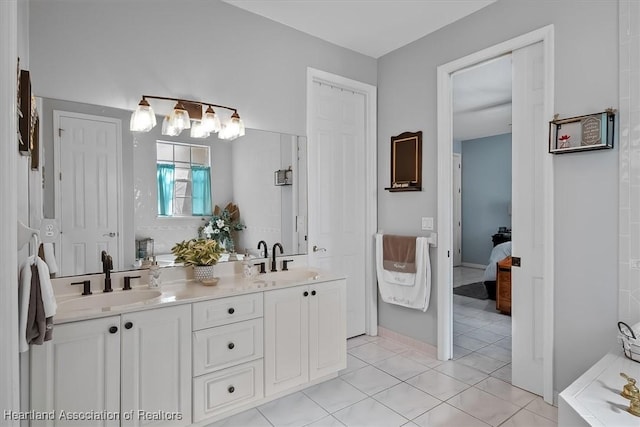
169 130
143 118
198 131
179 117
210 121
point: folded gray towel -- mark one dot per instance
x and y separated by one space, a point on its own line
39 327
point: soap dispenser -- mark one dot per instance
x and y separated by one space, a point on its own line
154 274
247 267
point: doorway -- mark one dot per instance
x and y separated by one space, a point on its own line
537 346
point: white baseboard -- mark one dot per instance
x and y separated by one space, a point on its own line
471 265
418 345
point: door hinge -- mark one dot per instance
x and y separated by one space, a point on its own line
60 176
60 132
448 254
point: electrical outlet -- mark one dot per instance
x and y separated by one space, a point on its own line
427 223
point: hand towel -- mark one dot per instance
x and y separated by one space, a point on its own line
406 289
46 287
49 257
36 322
34 266
399 253
24 293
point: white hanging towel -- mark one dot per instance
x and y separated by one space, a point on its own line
406 289
50 257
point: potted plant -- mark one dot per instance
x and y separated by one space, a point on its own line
223 225
202 254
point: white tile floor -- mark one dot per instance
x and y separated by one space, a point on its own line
387 384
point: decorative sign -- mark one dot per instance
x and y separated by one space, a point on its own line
406 162
583 133
591 131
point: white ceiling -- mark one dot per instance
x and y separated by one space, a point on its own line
482 100
371 27
482 95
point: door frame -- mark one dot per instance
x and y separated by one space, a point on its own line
9 360
445 202
56 171
371 194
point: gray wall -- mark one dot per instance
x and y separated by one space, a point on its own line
486 194
586 197
112 52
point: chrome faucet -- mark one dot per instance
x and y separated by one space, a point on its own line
273 256
263 243
107 266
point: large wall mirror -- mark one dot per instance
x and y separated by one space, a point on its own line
96 168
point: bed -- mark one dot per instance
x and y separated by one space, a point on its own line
498 253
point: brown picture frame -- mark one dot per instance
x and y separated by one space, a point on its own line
24 106
406 162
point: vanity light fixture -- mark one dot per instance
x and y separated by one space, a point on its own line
187 114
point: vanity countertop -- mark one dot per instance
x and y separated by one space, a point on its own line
594 398
190 291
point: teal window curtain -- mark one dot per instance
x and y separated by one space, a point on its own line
201 190
165 189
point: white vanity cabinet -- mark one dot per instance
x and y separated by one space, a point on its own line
227 354
156 366
78 371
305 334
138 362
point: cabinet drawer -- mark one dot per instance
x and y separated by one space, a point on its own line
224 390
226 310
224 346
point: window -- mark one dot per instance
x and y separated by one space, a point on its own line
184 179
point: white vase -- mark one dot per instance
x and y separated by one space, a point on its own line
204 274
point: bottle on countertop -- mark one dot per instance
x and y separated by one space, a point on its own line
154 274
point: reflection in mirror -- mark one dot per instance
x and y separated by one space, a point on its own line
241 171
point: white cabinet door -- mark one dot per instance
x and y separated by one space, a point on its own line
156 366
327 329
286 329
78 372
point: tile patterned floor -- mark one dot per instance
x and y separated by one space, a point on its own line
387 384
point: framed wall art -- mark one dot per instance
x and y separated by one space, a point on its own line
582 133
406 162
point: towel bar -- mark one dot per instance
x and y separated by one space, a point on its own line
432 238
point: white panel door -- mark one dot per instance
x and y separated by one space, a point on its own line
156 364
78 371
337 192
527 281
327 329
286 339
457 209
88 202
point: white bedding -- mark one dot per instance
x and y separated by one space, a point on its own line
498 253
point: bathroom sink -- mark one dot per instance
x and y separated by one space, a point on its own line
111 299
288 276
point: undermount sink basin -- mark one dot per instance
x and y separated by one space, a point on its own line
111 299
290 275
